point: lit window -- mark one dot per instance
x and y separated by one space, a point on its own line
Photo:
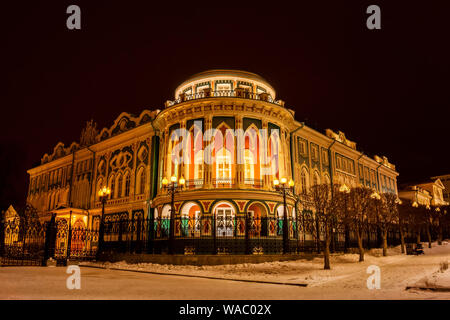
223 165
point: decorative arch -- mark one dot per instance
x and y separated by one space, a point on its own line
274 153
127 183
316 178
164 221
326 179
257 214
140 180
224 212
279 214
193 156
191 213
252 145
223 154
304 180
112 186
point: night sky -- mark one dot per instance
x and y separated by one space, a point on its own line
387 89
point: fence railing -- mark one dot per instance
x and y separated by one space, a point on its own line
224 233
237 93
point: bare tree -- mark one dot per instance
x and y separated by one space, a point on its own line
359 213
427 223
325 213
387 212
440 215
404 215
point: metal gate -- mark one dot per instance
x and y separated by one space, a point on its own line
23 245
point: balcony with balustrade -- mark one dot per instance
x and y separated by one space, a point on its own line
236 93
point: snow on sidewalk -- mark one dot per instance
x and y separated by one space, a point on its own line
400 268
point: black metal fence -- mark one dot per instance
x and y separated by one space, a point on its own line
238 234
23 245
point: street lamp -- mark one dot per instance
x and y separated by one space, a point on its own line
103 195
283 187
172 188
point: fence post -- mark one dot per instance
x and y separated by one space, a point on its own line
50 239
151 233
213 218
247 236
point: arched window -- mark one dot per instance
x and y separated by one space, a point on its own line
249 166
223 165
99 187
127 184
304 181
119 186
316 179
140 181
112 186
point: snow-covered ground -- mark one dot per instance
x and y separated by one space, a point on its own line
346 280
310 272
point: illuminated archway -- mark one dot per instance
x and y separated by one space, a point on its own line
258 222
191 219
224 213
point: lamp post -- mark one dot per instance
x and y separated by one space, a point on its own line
103 195
345 191
172 188
283 186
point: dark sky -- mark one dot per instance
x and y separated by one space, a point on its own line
387 89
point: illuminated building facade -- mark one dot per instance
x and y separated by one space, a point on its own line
227 138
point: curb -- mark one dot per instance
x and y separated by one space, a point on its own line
435 289
198 276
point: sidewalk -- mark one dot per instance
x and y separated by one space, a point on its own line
307 272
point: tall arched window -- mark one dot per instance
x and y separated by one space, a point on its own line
112 186
119 186
99 187
316 179
127 184
223 165
249 167
327 180
140 181
304 181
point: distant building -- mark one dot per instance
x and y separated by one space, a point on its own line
445 179
11 214
426 193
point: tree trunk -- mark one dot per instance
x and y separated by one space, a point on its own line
440 234
360 245
347 238
384 234
326 250
318 235
418 236
429 236
402 239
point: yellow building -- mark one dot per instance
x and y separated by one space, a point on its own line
227 137
445 180
428 193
